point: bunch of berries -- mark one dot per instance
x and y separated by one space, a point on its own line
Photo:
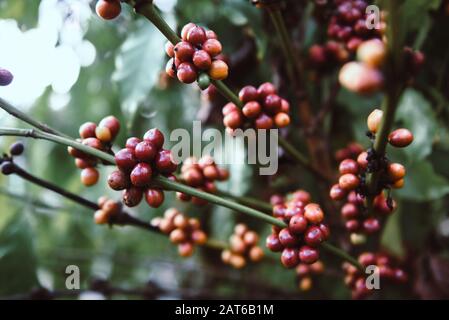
351 151
199 51
182 230
108 9
242 246
6 162
306 272
108 210
96 136
6 77
137 164
305 230
201 174
262 109
386 269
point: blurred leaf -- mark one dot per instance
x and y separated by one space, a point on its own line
391 236
415 14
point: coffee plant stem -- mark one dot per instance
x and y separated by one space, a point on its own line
342 254
248 201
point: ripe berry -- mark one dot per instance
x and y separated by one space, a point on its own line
302 195
282 120
250 238
145 151
266 89
108 9
290 257
325 230
348 166
155 137
256 254
118 180
233 120
185 249
85 163
349 211
263 121
132 196
93 143
132 142
360 78
141 175
169 49
362 160
371 225
154 197
352 225
337 193
170 69
251 109
313 213
285 106
7 168
237 245
87 130
367 258
381 204
186 72
193 177
287 239
184 51
111 123
211 172
212 47
237 261
313 236
211 35
178 236
125 159
111 207
199 237
186 29
372 52
272 103
6 77
400 138
396 171
273 243
89 176
297 224
248 93
348 181
218 70
103 134
228 108
196 35
308 254
374 120
101 217
164 162
202 60
398 184
16 149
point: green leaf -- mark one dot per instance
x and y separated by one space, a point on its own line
391 236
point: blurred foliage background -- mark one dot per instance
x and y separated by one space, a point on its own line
71 67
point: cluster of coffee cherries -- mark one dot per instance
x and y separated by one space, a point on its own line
386 269
6 77
262 108
199 51
243 245
108 209
182 230
304 232
201 174
108 9
351 151
96 136
306 272
6 162
137 164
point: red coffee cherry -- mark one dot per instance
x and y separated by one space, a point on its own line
313 213
285 106
302 196
297 224
186 72
282 120
287 239
360 78
211 172
125 159
372 52
371 225
89 176
196 35
348 166
400 138
348 181
87 130
251 109
228 108
169 49
184 51
202 60
112 124
193 177
164 163
93 143
155 137
263 121
325 230
337 193
367 258
141 175
132 196
247 94
313 236
352 225
396 171
233 120
210 35
362 161
266 89
185 30
145 151
85 163
132 142
290 257
118 180
349 211
272 103
154 197
212 47
185 249
308 254
170 69
108 9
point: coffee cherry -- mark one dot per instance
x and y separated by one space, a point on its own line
272 103
348 181
266 89
111 207
337 193
289 257
273 243
7 168
87 130
155 137
199 237
362 160
372 52
218 70
196 35
263 121
398 184
154 197
285 106
93 143
193 177
313 236
396 171
400 138
247 94
118 180
374 119
184 51
178 236
132 196
145 151
233 120
308 254
89 176
256 254
367 258
237 261
313 213
141 175
169 49
228 108
202 60
112 124
85 163
132 142
240 229
77 153
352 225
223 174
250 238
237 244
185 30
371 225
186 72
360 78
348 166
125 159
297 224
381 205
103 134
164 162
108 9
282 120
16 149
287 239
101 217
349 211
185 249
210 34
251 109
302 195
6 77
211 172
212 47
170 69
325 230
